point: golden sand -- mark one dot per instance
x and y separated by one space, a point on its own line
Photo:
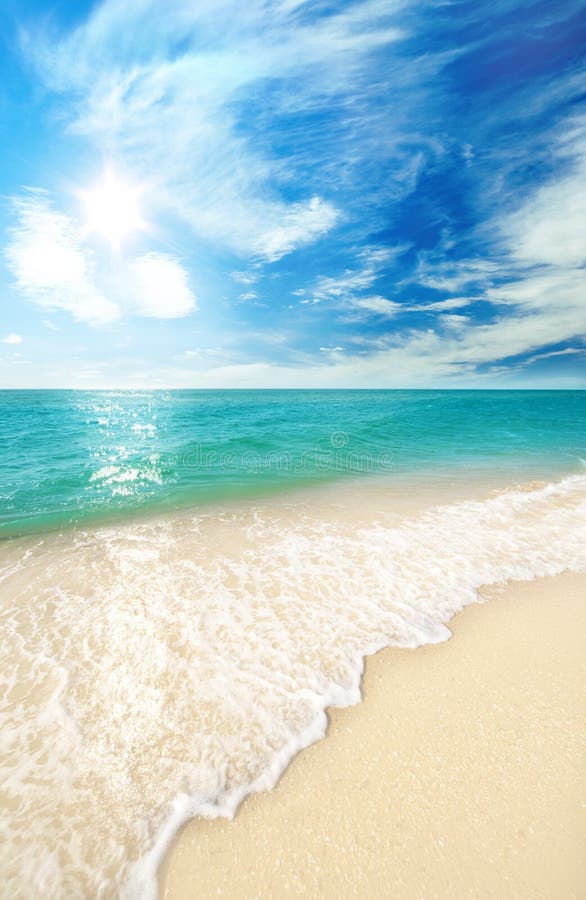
460 775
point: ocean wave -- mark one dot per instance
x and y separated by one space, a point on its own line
168 668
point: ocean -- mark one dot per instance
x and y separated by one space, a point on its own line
188 579
75 457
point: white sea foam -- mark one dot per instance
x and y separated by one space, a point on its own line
164 669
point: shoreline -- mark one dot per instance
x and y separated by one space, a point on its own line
435 486
227 638
457 775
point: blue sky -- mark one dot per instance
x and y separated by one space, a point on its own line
292 194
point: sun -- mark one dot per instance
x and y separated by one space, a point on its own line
112 209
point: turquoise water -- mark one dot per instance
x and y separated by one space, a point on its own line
73 456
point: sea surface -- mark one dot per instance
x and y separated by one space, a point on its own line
188 579
71 457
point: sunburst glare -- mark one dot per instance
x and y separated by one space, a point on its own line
112 209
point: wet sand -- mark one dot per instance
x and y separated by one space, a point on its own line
460 775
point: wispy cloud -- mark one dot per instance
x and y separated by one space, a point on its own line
300 224
380 306
130 89
346 289
350 291
12 339
248 277
536 290
550 227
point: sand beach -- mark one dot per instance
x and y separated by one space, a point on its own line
461 774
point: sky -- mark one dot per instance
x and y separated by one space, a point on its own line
292 193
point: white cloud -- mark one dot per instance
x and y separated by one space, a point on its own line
450 303
249 277
380 306
51 266
543 288
348 290
346 285
12 339
568 351
158 287
550 226
543 308
206 353
56 269
450 276
344 288
300 224
417 359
